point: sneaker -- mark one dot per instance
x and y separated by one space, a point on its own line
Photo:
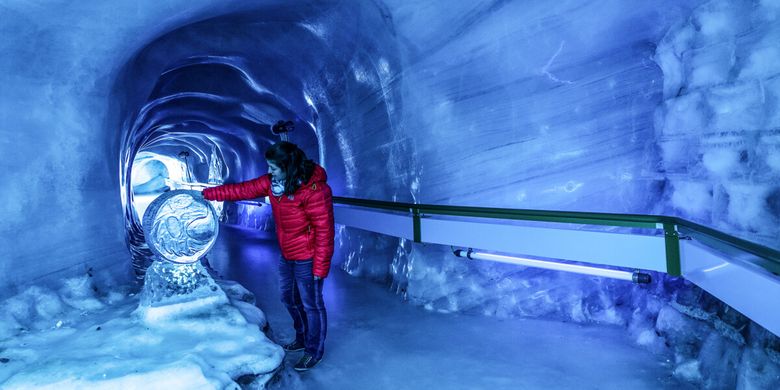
294 346
306 362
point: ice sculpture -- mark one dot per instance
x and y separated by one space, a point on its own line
180 227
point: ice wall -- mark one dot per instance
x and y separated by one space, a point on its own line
540 103
521 105
59 201
719 126
534 105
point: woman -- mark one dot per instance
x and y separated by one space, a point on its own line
303 210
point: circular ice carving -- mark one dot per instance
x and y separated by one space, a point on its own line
180 226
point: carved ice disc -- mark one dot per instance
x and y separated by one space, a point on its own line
180 226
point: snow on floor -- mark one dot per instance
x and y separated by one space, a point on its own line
79 337
376 341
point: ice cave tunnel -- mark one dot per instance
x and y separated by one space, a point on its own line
527 194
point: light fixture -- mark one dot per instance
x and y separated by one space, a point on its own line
636 276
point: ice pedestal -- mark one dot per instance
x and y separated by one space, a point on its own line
180 227
177 289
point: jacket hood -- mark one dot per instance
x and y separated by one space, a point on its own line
318 175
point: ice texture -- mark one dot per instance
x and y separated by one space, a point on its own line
89 335
717 127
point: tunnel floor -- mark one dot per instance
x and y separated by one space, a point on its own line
377 341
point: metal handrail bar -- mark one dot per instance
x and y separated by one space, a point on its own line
608 219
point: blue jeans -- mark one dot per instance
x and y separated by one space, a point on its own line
302 295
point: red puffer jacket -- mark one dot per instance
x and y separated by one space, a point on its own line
304 221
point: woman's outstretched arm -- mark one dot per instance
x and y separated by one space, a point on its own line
255 188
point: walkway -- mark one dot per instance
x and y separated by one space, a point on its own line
377 341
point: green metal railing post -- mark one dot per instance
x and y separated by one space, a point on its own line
416 225
672 241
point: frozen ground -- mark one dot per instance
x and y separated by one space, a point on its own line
87 335
83 335
376 341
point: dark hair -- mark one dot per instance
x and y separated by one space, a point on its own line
291 159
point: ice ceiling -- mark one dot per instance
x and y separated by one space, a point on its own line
611 106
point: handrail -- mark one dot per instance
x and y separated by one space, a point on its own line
745 245
622 220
